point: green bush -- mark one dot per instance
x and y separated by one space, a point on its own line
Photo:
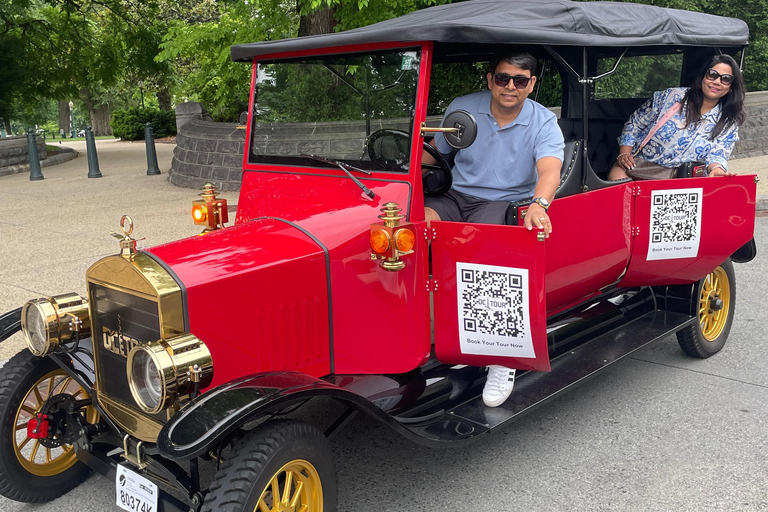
129 124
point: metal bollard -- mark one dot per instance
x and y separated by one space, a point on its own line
93 158
35 173
149 139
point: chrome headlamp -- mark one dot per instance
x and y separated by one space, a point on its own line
50 322
161 371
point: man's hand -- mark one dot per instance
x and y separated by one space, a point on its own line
537 216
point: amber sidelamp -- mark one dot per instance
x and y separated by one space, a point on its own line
391 239
210 211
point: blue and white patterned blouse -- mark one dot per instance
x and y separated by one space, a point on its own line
672 145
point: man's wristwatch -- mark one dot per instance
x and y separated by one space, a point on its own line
541 202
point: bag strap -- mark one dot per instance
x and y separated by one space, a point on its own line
666 117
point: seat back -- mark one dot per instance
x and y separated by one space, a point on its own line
602 145
570 179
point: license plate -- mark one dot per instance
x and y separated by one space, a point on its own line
134 492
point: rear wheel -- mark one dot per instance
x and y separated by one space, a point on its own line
716 302
35 470
282 466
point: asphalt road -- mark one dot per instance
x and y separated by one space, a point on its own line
657 432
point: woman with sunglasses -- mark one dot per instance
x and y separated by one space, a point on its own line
704 129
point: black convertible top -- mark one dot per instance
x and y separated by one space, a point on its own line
551 22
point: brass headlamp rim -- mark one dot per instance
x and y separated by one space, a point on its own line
158 354
65 316
173 359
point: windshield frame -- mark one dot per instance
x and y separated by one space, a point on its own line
307 166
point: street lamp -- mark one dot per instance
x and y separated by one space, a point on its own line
141 90
72 119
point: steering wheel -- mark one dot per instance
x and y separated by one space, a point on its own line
392 147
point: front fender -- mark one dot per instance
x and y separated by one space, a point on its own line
10 324
211 417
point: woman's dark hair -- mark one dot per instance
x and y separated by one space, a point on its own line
731 105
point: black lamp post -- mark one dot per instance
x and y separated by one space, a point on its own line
141 90
72 119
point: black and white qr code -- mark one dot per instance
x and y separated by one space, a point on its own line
675 216
492 303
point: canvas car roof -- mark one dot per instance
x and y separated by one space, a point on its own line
549 22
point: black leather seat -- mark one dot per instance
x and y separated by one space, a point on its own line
570 178
602 146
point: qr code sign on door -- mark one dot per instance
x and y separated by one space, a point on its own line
675 224
493 310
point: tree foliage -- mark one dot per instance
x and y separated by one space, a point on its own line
97 52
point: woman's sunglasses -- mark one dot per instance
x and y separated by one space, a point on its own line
713 75
520 81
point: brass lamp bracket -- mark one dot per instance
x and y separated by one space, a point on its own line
427 129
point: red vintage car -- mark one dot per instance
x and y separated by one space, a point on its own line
329 283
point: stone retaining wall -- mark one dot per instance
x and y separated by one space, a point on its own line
14 151
212 152
753 134
208 152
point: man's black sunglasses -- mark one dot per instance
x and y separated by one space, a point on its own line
713 75
520 81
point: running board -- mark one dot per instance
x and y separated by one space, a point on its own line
533 389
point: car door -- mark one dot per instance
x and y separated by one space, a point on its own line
683 228
488 295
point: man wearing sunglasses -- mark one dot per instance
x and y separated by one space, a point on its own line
517 155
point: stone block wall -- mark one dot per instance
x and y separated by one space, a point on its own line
212 152
14 151
753 134
208 152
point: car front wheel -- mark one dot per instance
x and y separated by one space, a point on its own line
281 466
716 302
35 470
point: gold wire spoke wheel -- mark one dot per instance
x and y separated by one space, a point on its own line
295 487
714 304
33 456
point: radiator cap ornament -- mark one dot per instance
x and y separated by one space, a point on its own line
127 244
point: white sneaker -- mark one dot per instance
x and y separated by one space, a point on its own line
498 386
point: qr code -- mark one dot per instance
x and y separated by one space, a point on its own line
674 216
492 303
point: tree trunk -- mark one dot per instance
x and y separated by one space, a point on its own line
164 99
7 123
64 117
320 21
99 115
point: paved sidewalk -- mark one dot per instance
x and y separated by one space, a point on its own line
52 230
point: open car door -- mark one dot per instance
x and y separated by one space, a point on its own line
489 300
684 228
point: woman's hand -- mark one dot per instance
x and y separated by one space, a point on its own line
717 170
626 161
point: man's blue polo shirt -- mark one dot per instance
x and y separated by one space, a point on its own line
501 164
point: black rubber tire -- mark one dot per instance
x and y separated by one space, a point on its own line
17 377
259 455
692 339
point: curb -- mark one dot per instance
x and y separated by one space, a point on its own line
64 156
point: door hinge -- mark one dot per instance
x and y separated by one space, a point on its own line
430 233
635 231
636 190
432 285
